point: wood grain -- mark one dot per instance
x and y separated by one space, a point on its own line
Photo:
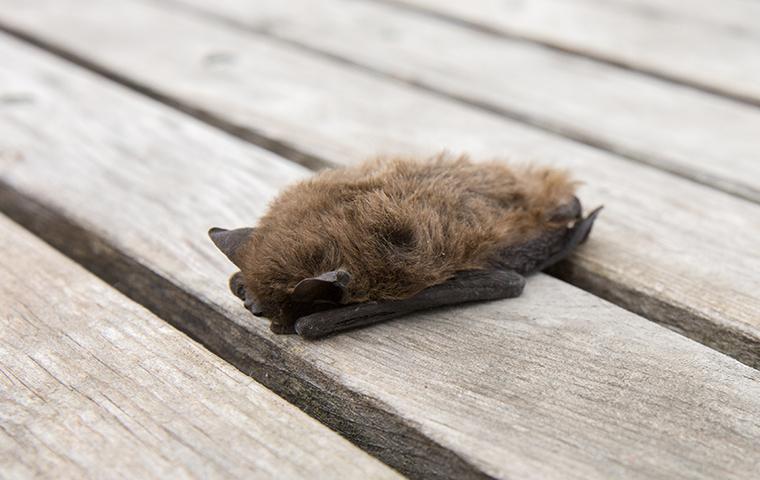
94 386
675 252
555 384
687 132
699 43
736 15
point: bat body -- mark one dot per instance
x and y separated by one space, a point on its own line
357 245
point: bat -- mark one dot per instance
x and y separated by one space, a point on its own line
359 245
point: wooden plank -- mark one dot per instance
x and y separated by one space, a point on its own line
556 384
658 243
697 43
94 386
736 15
681 130
687 132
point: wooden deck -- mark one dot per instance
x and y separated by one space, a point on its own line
128 128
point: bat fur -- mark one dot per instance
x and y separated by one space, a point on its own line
389 228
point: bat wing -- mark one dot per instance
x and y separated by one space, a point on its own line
546 249
467 286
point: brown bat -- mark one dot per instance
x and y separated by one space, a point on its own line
359 245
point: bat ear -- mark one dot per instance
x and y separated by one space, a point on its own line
328 287
230 241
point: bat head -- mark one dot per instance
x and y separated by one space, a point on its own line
284 305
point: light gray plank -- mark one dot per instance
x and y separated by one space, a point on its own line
693 134
709 45
736 16
556 384
678 253
94 386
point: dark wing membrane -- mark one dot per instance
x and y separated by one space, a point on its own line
469 286
526 258
547 249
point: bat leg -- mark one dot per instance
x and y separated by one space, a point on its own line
467 286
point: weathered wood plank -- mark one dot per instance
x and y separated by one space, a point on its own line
735 15
94 386
693 134
556 384
704 44
658 243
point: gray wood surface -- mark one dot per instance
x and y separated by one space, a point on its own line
711 45
93 385
555 384
681 130
676 252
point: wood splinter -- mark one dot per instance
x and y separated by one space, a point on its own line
356 246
